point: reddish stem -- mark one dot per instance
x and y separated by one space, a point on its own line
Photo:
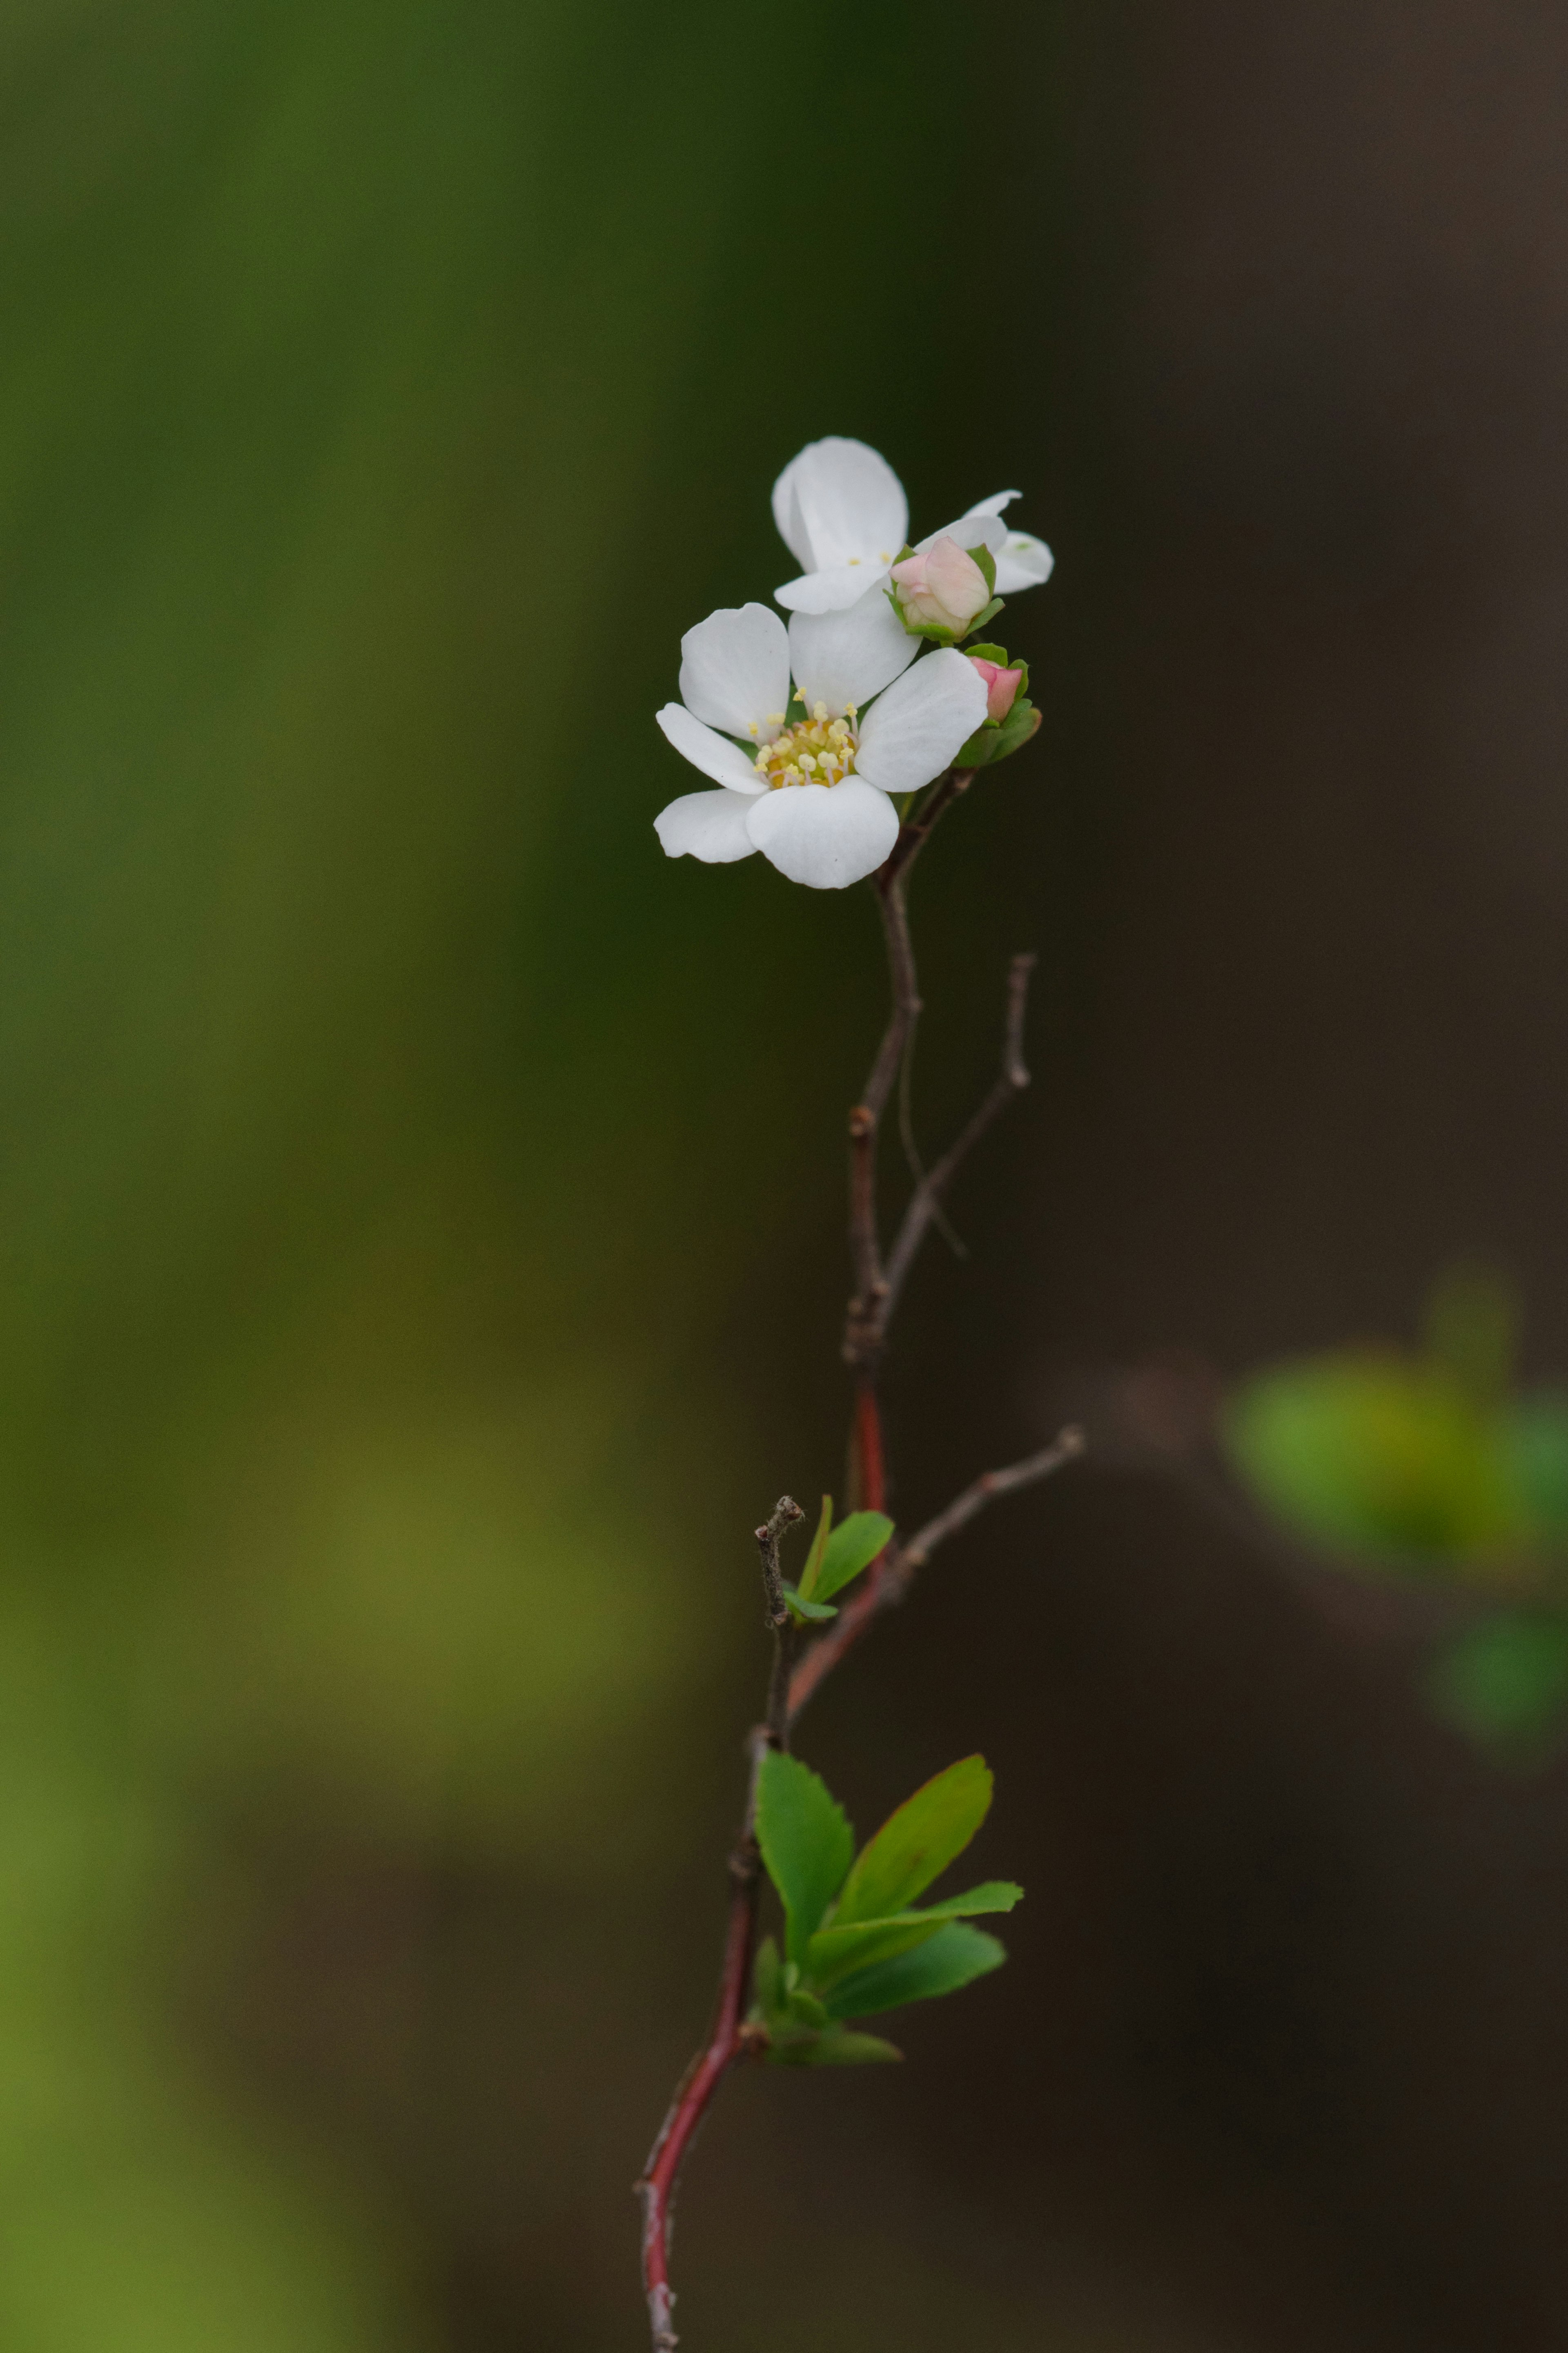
868 1446
694 2097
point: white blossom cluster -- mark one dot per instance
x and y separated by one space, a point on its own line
809 731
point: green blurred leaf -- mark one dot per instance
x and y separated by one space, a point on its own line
917 1843
1505 1681
806 1844
810 1573
767 1979
853 1546
1472 1330
806 1612
1378 1454
955 1956
835 1951
835 2049
1536 1437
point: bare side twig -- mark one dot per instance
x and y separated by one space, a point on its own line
727 2039
900 1561
925 1201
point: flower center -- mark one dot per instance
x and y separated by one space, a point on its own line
815 751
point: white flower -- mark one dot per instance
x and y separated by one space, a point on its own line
842 513
812 796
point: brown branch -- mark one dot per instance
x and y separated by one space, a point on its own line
890 1578
1065 1447
728 2037
925 1201
866 1316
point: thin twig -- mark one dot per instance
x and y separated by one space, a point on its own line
864 1322
728 2037
898 1563
1065 1447
926 1200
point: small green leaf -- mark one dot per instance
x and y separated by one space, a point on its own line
955 1956
835 1951
835 2049
853 1546
767 1979
1505 1682
916 1843
802 1611
806 1844
808 1575
997 654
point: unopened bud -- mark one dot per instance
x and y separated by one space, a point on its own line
944 589
1001 686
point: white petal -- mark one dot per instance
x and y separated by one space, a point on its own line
709 826
826 837
846 657
911 733
1022 563
851 503
714 754
994 505
830 592
978 527
734 670
787 514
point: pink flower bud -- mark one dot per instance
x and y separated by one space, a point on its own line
1001 686
944 588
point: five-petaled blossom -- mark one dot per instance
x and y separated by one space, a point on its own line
842 513
811 795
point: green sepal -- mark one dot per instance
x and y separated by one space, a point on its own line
804 1612
835 1951
837 2048
914 1844
988 612
853 1546
806 1844
808 1575
983 556
955 1955
998 740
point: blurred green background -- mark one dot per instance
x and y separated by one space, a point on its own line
419 1252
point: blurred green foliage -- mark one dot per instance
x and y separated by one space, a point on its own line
1430 1465
381 391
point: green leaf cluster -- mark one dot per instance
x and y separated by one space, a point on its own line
837 1555
854 1944
1427 1464
1417 1461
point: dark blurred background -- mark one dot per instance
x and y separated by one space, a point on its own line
419 1218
